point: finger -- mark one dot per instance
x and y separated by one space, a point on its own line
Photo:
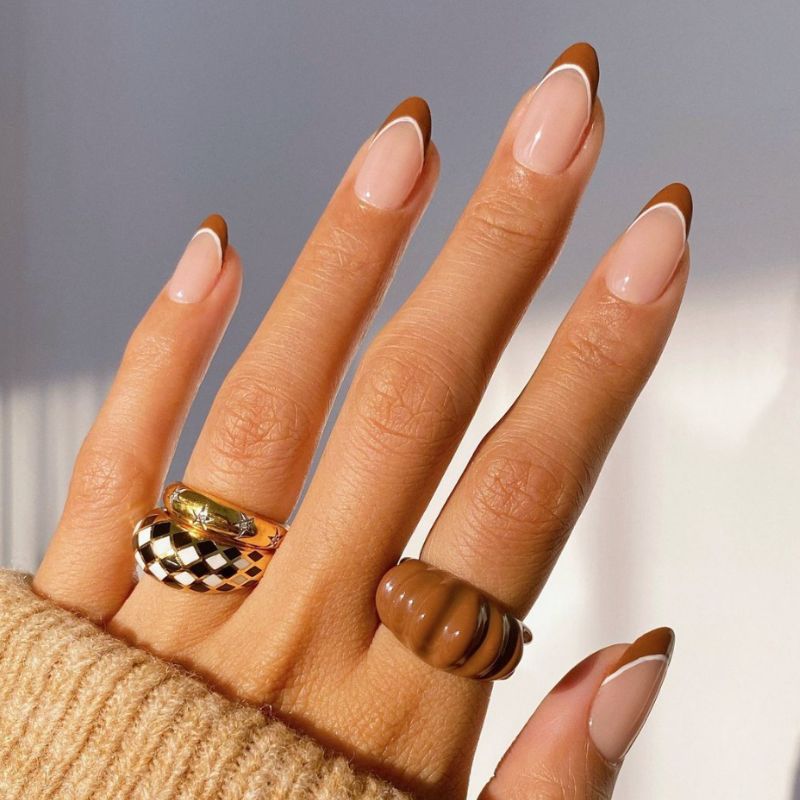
506 521
120 468
421 379
260 435
573 746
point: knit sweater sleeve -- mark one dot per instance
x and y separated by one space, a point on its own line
84 715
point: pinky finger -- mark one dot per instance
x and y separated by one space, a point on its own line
574 744
121 466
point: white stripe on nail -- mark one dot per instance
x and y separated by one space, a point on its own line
214 235
581 71
665 204
635 663
402 119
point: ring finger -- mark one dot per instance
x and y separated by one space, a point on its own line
260 435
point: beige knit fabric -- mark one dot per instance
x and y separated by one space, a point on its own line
83 715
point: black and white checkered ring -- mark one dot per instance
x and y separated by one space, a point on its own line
189 559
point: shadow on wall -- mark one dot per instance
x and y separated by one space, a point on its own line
780 421
796 789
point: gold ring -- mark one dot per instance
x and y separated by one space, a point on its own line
217 517
187 558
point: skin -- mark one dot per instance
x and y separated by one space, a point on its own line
306 642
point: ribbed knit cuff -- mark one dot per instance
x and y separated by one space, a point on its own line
83 715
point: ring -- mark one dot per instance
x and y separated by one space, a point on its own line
187 558
219 518
448 623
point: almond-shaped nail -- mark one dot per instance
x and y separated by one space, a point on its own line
396 156
625 698
555 122
199 267
643 262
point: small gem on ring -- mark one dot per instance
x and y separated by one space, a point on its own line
245 527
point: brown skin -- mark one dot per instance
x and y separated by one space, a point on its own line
306 641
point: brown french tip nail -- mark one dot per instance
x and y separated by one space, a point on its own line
658 642
678 195
396 156
418 110
583 56
200 265
644 261
559 113
626 696
216 224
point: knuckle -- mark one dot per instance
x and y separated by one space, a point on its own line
256 426
405 399
544 782
600 347
106 481
522 489
148 350
509 221
571 778
344 248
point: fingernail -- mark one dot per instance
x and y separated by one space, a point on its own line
554 124
201 262
644 260
396 155
625 698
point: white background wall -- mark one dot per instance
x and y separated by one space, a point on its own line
121 128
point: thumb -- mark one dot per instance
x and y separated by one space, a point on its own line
574 743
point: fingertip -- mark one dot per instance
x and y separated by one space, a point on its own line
553 753
354 187
224 297
557 728
557 126
626 696
429 177
232 261
217 226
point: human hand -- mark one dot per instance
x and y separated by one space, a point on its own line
306 642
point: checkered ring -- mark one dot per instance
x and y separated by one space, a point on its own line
189 559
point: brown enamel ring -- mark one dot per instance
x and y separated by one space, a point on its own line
448 623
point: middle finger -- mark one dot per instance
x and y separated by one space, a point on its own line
421 380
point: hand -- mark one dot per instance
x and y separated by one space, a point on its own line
306 641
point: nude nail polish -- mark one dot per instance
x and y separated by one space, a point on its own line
396 156
644 260
555 122
625 698
201 262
